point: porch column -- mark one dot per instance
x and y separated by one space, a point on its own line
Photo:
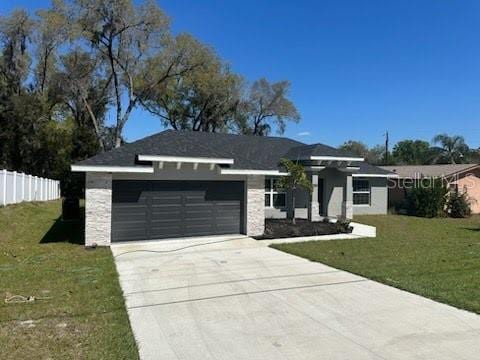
98 209
314 206
255 205
347 206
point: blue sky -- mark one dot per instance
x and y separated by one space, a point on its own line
357 67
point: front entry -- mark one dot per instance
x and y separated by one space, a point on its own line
321 206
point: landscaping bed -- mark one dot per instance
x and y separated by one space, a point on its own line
283 228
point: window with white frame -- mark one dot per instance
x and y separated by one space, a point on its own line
361 192
274 197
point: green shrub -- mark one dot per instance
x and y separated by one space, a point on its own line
343 226
427 198
458 205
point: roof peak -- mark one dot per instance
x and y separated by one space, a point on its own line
209 133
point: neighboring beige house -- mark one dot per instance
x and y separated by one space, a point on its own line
462 177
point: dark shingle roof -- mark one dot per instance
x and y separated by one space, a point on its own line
305 151
366 168
248 152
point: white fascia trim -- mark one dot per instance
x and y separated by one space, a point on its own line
112 169
185 159
315 168
376 175
348 169
335 158
252 172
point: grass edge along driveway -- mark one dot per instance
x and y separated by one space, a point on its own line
435 258
83 315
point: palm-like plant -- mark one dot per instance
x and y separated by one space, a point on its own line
452 148
296 178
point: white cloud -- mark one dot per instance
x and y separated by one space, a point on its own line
304 133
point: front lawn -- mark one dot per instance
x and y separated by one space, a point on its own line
436 258
82 315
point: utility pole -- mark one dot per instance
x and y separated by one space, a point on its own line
386 148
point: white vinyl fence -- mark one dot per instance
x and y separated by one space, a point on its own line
17 187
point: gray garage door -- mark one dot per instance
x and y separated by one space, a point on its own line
143 210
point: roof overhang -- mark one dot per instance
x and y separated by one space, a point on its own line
112 169
376 175
349 169
186 159
252 172
335 158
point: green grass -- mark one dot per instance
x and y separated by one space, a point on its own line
436 258
84 315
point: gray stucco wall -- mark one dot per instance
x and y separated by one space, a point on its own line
301 203
334 181
334 198
378 201
186 172
98 209
272 213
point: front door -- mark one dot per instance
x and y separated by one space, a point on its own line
320 197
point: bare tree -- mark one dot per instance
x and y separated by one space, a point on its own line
83 85
52 30
135 44
265 102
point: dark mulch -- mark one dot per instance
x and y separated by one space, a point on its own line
283 228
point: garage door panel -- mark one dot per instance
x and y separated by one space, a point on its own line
132 228
228 209
166 200
226 220
166 232
129 234
171 216
195 214
128 218
165 209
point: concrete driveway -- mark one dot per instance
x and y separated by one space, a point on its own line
238 299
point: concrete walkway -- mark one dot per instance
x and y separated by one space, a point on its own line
235 298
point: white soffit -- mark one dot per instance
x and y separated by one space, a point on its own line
315 168
185 159
335 158
349 169
252 172
112 169
376 175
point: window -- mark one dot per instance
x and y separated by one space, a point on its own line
361 192
274 197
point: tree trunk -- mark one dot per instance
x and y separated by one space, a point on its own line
293 205
95 124
118 138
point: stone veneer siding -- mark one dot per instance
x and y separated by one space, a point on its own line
98 209
255 205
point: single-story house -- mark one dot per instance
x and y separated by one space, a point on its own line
462 177
184 183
